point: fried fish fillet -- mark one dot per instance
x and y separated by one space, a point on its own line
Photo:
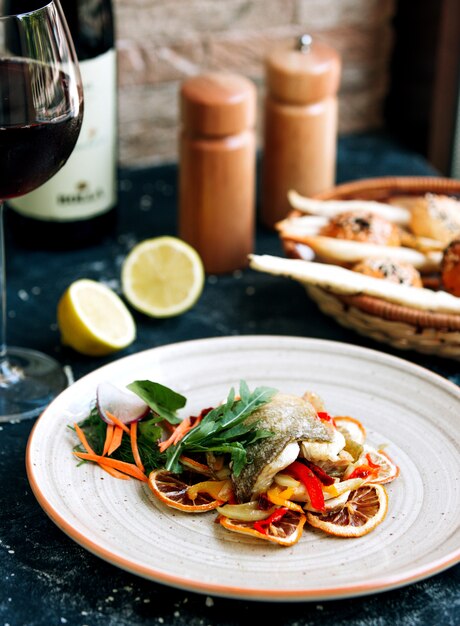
292 419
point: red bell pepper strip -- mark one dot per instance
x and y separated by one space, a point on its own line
320 473
311 482
262 526
371 463
323 415
363 471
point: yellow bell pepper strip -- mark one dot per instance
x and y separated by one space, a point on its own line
263 525
282 498
311 482
337 489
217 489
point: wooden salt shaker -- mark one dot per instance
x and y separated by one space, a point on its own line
217 169
300 134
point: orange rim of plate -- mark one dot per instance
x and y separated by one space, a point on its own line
380 583
383 583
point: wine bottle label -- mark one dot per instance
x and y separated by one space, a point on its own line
86 185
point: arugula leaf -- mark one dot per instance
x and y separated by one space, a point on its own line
238 455
224 429
161 399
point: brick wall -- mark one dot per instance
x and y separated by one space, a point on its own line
162 42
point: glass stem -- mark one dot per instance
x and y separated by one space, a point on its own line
3 362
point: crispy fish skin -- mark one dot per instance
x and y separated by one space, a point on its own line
292 419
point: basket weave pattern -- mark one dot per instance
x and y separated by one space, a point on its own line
399 334
400 326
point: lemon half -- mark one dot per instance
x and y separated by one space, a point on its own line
93 320
162 277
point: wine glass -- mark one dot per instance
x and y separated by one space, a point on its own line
41 109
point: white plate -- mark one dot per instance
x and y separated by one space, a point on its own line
414 411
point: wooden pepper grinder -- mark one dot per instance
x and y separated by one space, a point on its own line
217 169
300 134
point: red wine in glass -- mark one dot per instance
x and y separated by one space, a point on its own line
32 150
41 108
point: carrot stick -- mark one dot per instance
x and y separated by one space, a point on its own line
179 432
107 446
108 438
192 464
117 422
134 448
127 468
113 472
82 437
116 440
88 448
177 435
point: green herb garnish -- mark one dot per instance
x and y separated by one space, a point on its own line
224 430
160 399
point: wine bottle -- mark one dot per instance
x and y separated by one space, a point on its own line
77 206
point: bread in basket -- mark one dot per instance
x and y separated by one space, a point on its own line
424 320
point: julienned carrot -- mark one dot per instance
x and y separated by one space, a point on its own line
117 422
191 463
82 437
177 435
183 432
108 438
116 440
113 472
110 470
127 468
134 448
179 432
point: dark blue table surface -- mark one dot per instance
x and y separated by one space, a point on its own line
45 578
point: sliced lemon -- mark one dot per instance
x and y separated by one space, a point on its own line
351 428
388 469
285 532
173 490
93 320
162 277
365 509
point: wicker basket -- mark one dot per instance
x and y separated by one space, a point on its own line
400 326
